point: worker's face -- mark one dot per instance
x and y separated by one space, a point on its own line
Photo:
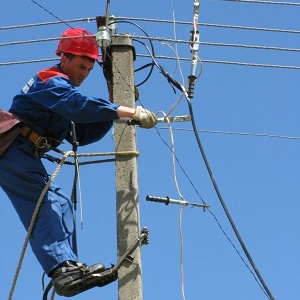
77 68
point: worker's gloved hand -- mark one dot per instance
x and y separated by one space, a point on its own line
144 117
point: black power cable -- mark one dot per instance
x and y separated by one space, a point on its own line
266 289
152 49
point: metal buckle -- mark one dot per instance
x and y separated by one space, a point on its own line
40 139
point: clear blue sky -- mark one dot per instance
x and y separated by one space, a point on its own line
257 175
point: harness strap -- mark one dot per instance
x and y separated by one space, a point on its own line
38 140
41 143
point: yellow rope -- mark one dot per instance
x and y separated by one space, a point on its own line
33 218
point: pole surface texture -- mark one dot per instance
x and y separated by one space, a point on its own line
127 206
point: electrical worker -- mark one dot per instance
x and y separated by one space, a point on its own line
40 116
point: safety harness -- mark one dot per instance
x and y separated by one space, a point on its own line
40 142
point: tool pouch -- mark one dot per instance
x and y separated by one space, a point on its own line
8 129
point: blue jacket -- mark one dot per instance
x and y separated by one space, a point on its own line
49 102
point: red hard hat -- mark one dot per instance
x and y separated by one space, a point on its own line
79 44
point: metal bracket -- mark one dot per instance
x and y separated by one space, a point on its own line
107 276
161 120
142 239
174 119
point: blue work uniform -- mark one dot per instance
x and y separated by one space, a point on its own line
49 102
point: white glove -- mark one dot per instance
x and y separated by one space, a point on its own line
144 117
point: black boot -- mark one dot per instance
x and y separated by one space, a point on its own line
70 278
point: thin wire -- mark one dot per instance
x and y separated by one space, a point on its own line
225 62
152 38
107 12
176 55
238 133
213 25
175 104
29 42
276 30
168 58
176 45
80 197
181 209
47 23
250 46
44 40
173 157
49 12
177 59
42 7
181 253
88 19
218 44
22 62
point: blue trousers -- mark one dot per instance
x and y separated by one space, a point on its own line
23 177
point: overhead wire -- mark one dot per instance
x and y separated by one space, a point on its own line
177 63
248 64
89 19
171 57
168 58
181 262
86 19
251 134
49 12
176 44
163 39
176 41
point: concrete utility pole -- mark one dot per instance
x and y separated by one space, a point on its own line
121 53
